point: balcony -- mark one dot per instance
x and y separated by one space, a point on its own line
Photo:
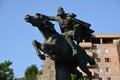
85 44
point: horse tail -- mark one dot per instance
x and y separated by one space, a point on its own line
91 61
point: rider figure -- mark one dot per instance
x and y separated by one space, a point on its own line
68 23
67 26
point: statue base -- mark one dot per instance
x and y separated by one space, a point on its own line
54 71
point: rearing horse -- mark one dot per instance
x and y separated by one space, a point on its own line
57 48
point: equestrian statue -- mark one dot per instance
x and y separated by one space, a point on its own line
62 47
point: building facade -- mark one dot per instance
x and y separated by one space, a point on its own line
105 48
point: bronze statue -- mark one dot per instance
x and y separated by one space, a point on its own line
57 47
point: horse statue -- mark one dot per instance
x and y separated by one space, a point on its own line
56 47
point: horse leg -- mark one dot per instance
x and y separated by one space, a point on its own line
51 50
85 69
43 47
37 46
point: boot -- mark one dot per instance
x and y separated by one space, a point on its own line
73 46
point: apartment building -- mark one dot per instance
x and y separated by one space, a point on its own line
105 48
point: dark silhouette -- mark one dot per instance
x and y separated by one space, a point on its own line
57 47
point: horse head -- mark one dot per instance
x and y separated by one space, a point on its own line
42 23
34 20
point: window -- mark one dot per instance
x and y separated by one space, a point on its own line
97 51
108 78
99 78
107 59
99 69
105 50
98 59
107 69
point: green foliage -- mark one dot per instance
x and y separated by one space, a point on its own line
73 76
31 73
40 72
6 73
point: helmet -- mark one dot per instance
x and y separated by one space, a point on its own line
60 11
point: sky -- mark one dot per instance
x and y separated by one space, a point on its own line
16 35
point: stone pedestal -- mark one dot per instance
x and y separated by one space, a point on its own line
54 71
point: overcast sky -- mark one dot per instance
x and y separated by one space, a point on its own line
16 35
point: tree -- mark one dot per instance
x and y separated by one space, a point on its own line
6 73
73 76
40 72
19 78
31 73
